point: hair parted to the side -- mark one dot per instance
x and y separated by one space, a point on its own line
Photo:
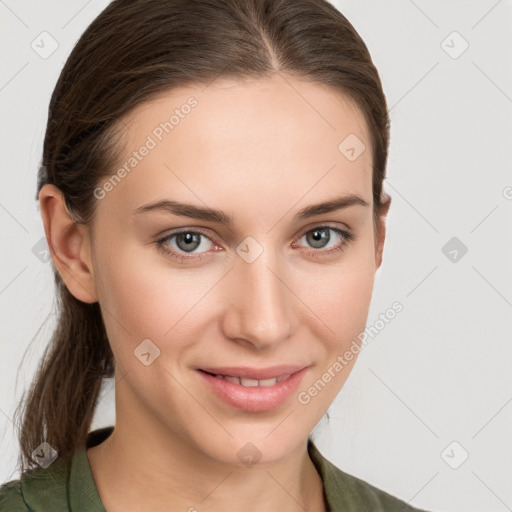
133 51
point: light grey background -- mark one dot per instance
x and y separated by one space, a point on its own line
441 370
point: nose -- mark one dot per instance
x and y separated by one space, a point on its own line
259 302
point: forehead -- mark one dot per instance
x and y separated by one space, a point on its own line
276 138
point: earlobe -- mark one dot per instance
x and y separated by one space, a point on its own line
381 231
69 244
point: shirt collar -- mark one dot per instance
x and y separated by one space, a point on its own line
83 493
332 478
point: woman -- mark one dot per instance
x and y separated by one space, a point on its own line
211 192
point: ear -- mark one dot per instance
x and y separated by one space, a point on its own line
69 244
380 234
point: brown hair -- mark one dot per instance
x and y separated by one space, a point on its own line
133 51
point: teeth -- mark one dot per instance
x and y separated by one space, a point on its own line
267 382
248 383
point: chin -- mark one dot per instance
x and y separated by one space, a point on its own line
257 448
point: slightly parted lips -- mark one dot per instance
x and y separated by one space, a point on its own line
254 373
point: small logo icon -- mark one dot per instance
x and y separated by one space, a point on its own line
454 45
507 193
249 454
44 454
41 250
352 147
146 352
249 249
454 455
44 45
454 250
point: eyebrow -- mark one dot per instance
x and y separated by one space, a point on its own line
220 217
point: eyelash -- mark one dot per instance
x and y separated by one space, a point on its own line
347 236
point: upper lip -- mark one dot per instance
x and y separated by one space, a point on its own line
255 373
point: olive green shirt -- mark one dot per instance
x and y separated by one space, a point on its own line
58 488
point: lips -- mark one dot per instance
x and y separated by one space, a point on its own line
252 389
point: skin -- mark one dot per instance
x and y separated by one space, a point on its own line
261 151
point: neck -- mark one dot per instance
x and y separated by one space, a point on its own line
133 472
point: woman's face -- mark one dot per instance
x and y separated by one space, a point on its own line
270 288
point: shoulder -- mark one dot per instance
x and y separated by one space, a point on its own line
66 484
361 495
11 497
40 489
345 492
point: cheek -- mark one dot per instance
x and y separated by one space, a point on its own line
340 305
141 297
341 295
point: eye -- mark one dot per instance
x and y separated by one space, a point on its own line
319 238
182 245
186 242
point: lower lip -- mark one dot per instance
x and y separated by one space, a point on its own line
255 398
